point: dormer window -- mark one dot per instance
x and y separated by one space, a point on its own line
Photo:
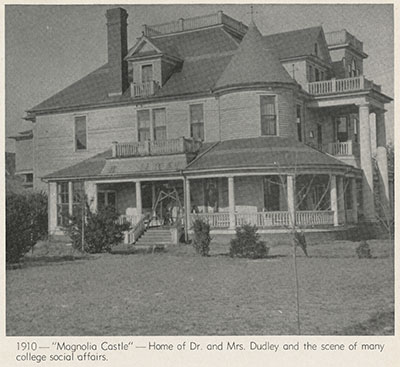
147 73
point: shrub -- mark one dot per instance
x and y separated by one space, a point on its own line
363 250
101 230
26 223
247 243
201 239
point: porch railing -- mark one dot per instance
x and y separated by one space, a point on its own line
215 220
144 89
341 85
268 219
341 148
131 219
133 234
155 147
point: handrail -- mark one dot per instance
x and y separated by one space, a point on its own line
132 235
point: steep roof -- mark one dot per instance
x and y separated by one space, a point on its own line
253 62
263 152
206 54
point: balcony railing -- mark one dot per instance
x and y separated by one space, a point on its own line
333 86
341 148
342 37
155 147
201 21
144 89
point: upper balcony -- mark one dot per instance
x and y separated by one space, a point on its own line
180 145
142 90
201 21
337 86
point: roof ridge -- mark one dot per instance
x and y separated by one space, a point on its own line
292 31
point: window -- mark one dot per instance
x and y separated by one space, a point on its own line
310 73
62 204
143 118
268 115
78 195
299 122
29 178
80 133
342 132
160 124
272 193
106 198
197 121
147 73
322 75
353 72
317 78
355 128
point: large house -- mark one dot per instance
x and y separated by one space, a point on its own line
206 117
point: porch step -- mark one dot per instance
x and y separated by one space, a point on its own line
154 237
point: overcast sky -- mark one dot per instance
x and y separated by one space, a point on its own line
50 47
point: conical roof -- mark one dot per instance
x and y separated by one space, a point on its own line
253 62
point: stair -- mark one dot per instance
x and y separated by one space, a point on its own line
155 238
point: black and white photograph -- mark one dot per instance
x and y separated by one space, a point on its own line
199 170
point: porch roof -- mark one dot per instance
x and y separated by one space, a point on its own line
264 152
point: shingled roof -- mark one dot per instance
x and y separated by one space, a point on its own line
263 152
206 54
254 62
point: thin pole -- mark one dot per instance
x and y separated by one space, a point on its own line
297 286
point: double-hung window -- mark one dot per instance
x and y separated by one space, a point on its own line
106 198
268 115
80 133
160 124
143 118
197 121
299 122
62 204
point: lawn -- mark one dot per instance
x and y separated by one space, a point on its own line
180 293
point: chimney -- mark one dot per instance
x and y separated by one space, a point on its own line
117 40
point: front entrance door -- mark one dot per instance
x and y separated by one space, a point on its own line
167 209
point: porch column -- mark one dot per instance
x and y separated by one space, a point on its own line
334 203
187 206
231 199
340 200
91 194
153 199
291 204
70 198
366 164
353 184
52 205
138 198
380 128
384 198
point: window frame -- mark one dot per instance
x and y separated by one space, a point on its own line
275 115
142 129
106 193
141 73
299 121
153 125
86 133
196 124
61 204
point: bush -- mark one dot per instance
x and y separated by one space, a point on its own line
26 223
363 250
201 239
247 243
101 230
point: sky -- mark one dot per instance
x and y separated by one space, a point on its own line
48 48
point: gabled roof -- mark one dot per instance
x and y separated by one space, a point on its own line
155 46
263 152
253 62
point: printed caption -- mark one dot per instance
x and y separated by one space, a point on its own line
103 351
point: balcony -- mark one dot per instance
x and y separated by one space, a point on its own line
335 86
201 21
140 90
180 145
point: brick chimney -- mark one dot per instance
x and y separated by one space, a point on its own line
117 40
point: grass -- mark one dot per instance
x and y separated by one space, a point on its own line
180 293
